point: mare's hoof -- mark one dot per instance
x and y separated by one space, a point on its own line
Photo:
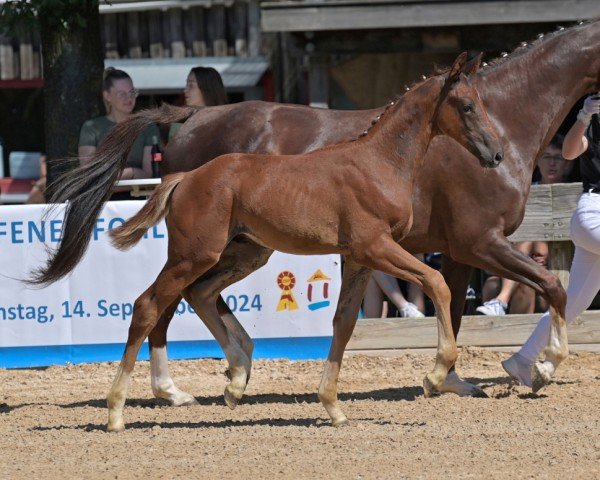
540 376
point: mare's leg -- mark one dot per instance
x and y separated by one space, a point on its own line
386 255
495 253
174 277
354 282
584 284
240 258
457 276
160 377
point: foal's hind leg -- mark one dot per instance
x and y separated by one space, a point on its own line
160 377
240 258
239 361
386 255
354 282
147 309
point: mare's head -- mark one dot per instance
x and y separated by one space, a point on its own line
462 116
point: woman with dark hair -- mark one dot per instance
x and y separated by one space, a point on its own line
203 88
119 99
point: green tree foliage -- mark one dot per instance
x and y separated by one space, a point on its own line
26 15
73 63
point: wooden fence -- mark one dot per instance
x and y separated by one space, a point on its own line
547 216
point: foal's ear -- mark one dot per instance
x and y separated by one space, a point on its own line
457 67
473 65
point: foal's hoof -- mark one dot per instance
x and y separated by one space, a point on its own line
230 400
227 373
540 376
428 388
115 427
340 423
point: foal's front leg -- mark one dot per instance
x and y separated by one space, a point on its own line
354 282
457 276
386 255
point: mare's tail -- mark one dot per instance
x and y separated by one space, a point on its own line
88 187
154 210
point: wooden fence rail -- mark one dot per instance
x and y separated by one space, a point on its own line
480 331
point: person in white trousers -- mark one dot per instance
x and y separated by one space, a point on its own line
584 283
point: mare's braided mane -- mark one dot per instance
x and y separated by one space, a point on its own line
524 47
504 57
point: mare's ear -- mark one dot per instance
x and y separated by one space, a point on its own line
457 67
473 65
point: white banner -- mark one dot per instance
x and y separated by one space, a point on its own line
291 296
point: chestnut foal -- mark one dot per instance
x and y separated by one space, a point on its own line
353 198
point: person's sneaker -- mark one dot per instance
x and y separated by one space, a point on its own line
519 369
493 307
410 310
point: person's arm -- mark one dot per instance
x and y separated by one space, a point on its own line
146 170
576 142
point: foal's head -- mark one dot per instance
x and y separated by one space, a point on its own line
462 116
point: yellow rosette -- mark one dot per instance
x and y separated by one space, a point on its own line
286 282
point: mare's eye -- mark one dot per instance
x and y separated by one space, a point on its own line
467 107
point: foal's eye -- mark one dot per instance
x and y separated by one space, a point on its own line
468 107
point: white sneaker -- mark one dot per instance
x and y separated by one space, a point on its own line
519 368
410 310
493 307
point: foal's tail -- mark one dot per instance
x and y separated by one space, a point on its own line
154 210
88 187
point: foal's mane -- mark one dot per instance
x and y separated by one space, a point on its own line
395 100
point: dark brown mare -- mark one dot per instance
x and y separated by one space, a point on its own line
467 216
352 198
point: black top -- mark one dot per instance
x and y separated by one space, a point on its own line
590 159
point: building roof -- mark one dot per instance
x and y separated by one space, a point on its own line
317 15
167 75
